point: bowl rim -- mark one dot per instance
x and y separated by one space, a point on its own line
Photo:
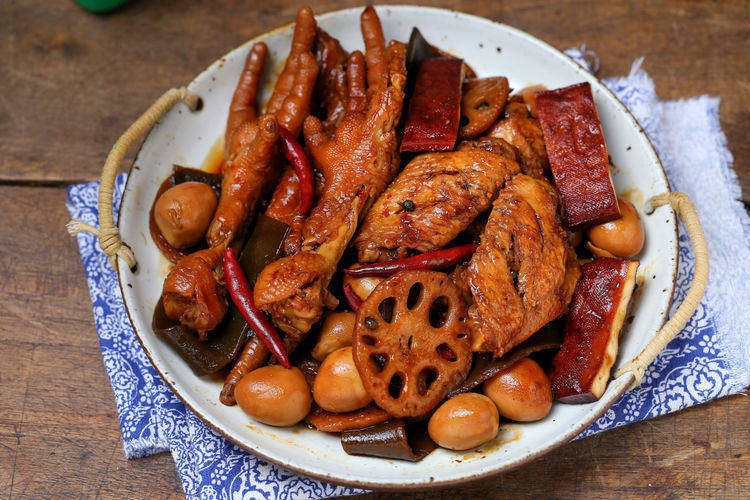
624 381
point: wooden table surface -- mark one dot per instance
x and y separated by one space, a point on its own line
71 82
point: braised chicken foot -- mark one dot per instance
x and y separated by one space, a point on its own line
330 95
192 292
357 162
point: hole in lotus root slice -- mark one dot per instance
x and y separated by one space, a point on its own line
446 352
439 310
386 309
426 377
395 386
378 362
415 293
368 339
482 103
418 351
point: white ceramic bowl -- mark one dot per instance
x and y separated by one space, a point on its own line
491 49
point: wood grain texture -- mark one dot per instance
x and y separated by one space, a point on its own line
71 82
77 79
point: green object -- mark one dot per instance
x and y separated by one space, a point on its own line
100 5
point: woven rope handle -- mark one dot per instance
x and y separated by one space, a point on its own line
108 234
687 211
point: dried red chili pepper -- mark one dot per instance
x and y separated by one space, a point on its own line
438 259
297 158
352 298
242 296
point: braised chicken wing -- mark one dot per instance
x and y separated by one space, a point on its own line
523 274
435 197
519 128
192 294
358 161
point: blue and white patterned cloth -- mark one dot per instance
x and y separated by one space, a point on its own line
710 358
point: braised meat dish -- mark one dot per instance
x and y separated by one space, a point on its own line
384 252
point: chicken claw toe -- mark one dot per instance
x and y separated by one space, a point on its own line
302 42
245 176
296 105
243 107
375 53
356 88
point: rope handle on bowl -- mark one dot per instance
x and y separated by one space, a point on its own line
687 211
108 233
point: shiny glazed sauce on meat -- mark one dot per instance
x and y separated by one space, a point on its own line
456 267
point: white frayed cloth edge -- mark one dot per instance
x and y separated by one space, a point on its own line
672 126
